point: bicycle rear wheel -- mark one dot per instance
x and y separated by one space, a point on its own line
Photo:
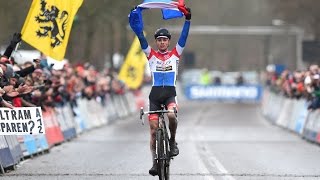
161 155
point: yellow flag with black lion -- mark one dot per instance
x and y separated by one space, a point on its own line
132 70
48 25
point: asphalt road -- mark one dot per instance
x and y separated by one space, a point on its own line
216 141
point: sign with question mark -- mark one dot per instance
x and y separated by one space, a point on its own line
21 121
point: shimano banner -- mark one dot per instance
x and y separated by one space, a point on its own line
224 92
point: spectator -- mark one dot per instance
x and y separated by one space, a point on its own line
205 78
298 84
240 80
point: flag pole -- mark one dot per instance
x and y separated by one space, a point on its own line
15 50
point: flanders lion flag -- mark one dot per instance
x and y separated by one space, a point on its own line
132 70
48 25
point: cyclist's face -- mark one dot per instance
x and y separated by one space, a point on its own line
162 43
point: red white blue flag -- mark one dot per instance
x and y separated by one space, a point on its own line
169 8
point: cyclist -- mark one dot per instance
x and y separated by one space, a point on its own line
164 68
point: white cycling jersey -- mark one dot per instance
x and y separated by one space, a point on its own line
164 66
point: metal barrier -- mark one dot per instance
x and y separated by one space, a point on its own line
64 123
271 106
301 118
298 107
132 102
80 124
293 115
70 121
41 143
277 109
83 108
6 158
15 148
28 145
95 113
286 111
53 131
111 109
117 105
312 128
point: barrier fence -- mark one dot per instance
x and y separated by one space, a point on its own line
292 114
65 122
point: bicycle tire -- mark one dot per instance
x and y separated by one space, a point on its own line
168 158
161 155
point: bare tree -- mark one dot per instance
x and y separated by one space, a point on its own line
304 13
101 25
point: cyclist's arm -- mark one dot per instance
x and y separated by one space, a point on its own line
144 44
136 24
183 37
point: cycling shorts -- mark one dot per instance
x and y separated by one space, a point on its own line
165 95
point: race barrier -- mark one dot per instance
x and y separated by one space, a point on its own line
224 92
65 122
111 109
80 126
15 148
70 121
41 143
10 153
311 128
286 112
292 114
28 145
54 134
6 159
271 105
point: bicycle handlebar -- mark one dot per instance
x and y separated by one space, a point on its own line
157 112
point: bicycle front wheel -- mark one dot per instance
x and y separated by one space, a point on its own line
167 156
161 155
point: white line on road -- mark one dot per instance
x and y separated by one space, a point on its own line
209 160
214 162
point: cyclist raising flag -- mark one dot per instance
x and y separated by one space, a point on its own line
164 66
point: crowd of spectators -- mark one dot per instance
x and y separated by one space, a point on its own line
37 83
297 84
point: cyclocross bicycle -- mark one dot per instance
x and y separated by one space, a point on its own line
162 142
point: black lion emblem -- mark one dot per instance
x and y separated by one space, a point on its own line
52 23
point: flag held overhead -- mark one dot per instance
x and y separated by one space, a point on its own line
170 14
169 8
135 20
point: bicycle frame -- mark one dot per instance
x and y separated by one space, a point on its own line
162 142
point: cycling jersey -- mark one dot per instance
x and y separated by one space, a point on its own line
164 71
164 66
